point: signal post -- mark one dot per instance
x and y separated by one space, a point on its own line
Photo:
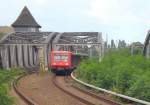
43 67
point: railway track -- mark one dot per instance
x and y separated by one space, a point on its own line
35 95
65 84
91 93
25 98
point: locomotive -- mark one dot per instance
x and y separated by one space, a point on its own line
63 62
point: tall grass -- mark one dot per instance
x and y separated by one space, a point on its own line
119 72
6 78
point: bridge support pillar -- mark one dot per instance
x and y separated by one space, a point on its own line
31 55
5 57
26 61
35 56
46 55
20 55
13 57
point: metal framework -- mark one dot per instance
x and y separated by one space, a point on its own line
22 48
80 42
146 49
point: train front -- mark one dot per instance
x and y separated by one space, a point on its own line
60 62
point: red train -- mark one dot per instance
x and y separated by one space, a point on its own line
63 62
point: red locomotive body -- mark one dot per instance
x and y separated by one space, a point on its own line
61 61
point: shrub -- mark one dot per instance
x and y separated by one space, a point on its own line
120 72
5 79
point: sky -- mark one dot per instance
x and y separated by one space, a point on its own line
127 20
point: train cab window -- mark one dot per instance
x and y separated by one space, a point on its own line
64 57
60 57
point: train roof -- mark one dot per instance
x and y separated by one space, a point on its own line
61 52
76 54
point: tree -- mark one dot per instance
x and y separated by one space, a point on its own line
122 44
113 44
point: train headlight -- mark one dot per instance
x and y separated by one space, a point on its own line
66 64
54 63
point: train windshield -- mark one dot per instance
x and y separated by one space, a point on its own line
58 57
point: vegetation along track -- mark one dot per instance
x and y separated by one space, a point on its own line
65 83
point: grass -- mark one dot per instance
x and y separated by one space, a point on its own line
6 77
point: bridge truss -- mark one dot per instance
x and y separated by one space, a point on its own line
22 49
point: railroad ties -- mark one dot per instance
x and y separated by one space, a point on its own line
57 90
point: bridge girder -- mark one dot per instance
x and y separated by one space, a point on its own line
79 40
21 48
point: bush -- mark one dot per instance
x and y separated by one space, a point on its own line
119 72
141 88
5 79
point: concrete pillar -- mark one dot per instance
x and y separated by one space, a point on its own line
148 51
23 61
28 54
20 55
35 56
49 54
13 56
5 57
26 63
31 55
46 55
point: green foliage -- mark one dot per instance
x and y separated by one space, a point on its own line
5 99
5 79
119 72
141 87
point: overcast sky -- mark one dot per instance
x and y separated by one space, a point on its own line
120 19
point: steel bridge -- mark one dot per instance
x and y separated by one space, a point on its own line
23 49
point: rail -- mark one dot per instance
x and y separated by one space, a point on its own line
110 92
26 99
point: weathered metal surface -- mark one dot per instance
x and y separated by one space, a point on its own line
13 55
31 56
146 50
5 58
25 49
20 54
80 42
21 49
